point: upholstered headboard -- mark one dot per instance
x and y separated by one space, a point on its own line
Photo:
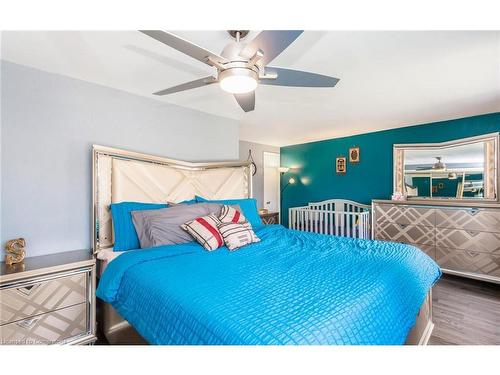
120 175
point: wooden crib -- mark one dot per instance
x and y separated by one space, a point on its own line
337 217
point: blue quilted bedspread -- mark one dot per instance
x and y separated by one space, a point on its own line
291 288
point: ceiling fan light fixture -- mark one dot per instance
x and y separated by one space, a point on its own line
238 80
439 165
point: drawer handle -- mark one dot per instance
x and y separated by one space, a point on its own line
28 323
471 253
403 226
473 211
28 289
473 233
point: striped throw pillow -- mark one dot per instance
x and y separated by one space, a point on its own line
237 235
229 214
204 230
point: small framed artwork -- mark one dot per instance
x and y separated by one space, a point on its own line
340 165
441 185
354 155
434 189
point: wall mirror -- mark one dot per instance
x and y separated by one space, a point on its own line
463 169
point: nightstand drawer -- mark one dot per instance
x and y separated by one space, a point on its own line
270 218
29 298
50 328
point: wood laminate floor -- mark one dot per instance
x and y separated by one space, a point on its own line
465 312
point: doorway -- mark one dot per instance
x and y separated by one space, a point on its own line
271 181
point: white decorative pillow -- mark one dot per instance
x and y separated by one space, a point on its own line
229 214
236 235
204 230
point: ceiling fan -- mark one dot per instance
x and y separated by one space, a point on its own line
242 66
439 165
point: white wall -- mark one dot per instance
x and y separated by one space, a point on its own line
258 157
48 125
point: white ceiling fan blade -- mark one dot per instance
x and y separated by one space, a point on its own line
246 101
297 78
185 46
271 42
188 85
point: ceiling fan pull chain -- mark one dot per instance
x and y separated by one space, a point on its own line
250 159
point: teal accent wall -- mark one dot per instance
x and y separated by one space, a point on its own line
313 164
449 186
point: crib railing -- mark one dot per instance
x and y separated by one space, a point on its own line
335 217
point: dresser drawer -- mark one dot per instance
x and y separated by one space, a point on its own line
468 261
53 327
405 214
38 297
414 234
430 250
472 240
469 219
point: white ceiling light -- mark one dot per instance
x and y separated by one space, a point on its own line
238 80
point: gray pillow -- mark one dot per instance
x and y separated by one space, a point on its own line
163 226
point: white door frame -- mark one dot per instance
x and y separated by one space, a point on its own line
276 163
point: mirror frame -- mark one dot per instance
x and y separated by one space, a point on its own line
491 158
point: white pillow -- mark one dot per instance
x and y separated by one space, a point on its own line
229 214
204 230
236 235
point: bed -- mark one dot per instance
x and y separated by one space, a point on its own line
291 288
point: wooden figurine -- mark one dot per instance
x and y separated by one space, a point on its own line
15 251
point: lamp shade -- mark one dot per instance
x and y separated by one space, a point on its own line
238 80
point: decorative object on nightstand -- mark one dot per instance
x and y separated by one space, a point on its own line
50 301
270 217
340 165
354 155
15 251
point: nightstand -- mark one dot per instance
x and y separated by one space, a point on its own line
48 299
270 218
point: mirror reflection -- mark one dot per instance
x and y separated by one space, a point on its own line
448 172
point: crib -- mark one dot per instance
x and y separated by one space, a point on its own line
337 217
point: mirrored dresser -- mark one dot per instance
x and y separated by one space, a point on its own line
48 300
463 239
450 205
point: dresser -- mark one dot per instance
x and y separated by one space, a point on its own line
464 239
48 300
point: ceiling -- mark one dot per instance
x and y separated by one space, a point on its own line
387 78
469 153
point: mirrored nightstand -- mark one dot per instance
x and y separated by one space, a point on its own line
48 300
270 218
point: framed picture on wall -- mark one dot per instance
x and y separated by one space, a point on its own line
340 165
354 155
